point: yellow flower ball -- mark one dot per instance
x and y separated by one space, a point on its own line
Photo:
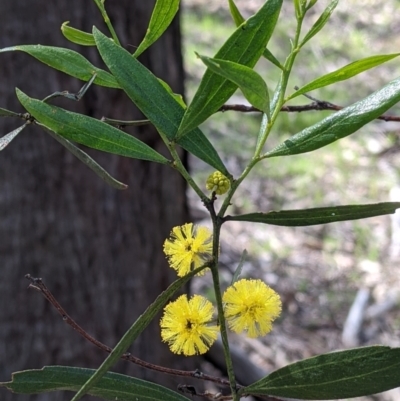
188 248
185 325
251 306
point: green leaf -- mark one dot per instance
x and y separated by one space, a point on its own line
320 23
320 215
245 46
154 100
68 61
113 386
340 124
337 375
6 139
163 14
77 36
86 159
88 131
250 82
236 15
346 72
238 19
270 57
133 332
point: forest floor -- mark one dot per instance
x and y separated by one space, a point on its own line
317 270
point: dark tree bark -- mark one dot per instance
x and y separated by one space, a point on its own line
98 249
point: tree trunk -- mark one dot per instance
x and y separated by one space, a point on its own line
98 250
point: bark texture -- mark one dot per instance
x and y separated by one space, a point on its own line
99 250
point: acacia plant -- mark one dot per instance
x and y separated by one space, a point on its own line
190 325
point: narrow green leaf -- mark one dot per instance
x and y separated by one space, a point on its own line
320 23
270 57
340 124
245 46
67 61
337 375
113 386
154 100
133 332
86 159
320 215
346 72
238 19
88 131
236 15
77 36
6 139
250 82
8 113
163 14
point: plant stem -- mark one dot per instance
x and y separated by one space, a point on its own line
177 164
100 6
279 96
277 102
217 222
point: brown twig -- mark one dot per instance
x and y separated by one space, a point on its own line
316 105
37 284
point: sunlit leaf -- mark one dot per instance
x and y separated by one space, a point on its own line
113 386
163 14
337 375
245 46
340 124
77 36
321 215
67 61
344 73
88 131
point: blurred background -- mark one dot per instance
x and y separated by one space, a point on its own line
322 272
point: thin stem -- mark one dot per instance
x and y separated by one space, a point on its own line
266 126
234 187
279 97
100 6
181 168
217 223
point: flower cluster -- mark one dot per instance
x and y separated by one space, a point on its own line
188 247
185 325
218 182
250 306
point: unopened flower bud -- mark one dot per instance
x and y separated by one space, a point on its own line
217 182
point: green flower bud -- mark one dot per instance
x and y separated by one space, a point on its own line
218 182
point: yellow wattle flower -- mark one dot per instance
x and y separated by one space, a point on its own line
188 247
185 325
251 306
